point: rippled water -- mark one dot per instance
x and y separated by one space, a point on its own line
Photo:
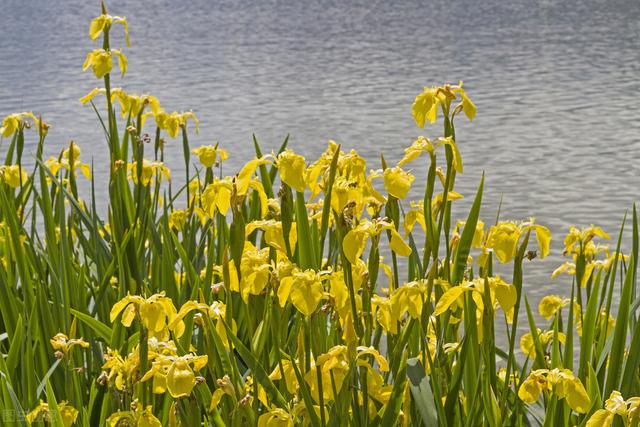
556 85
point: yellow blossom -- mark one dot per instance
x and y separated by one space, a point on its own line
217 197
616 405
155 312
550 304
104 22
292 170
503 238
101 62
173 122
577 238
13 122
209 155
150 169
420 145
501 294
139 417
425 107
303 288
13 175
527 344
276 417
355 240
397 182
70 161
177 219
181 377
558 381
60 342
42 412
273 233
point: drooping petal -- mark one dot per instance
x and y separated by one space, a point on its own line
448 299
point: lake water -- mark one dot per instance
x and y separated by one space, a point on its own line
555 82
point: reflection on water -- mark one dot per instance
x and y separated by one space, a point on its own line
556 85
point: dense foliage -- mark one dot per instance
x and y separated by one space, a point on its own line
262 297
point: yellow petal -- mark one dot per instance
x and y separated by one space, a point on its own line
398 245
353 244
180 379
292 170
577 396
529 390
448 299
306 298
97 26
425 107
88 97
548 306
543 236
600 418
468 107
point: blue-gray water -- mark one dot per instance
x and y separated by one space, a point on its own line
556 85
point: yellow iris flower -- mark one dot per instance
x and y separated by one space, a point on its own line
527 344
550 304
276 417
386 314
101 62
628 409
245 176
419 146
173 122
577 238
397 182
287 373
255 270
355 240
181 377
13 175
332 364
303 288
68 413
139 418
273 233
292 169
177 219
502 294
13 122
216 312
60 342
425 106
558 381
341 300
415 214
155 312
590 267
104 21
150 169
209 155
410 298
130 104
217 196
503 238
70 160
